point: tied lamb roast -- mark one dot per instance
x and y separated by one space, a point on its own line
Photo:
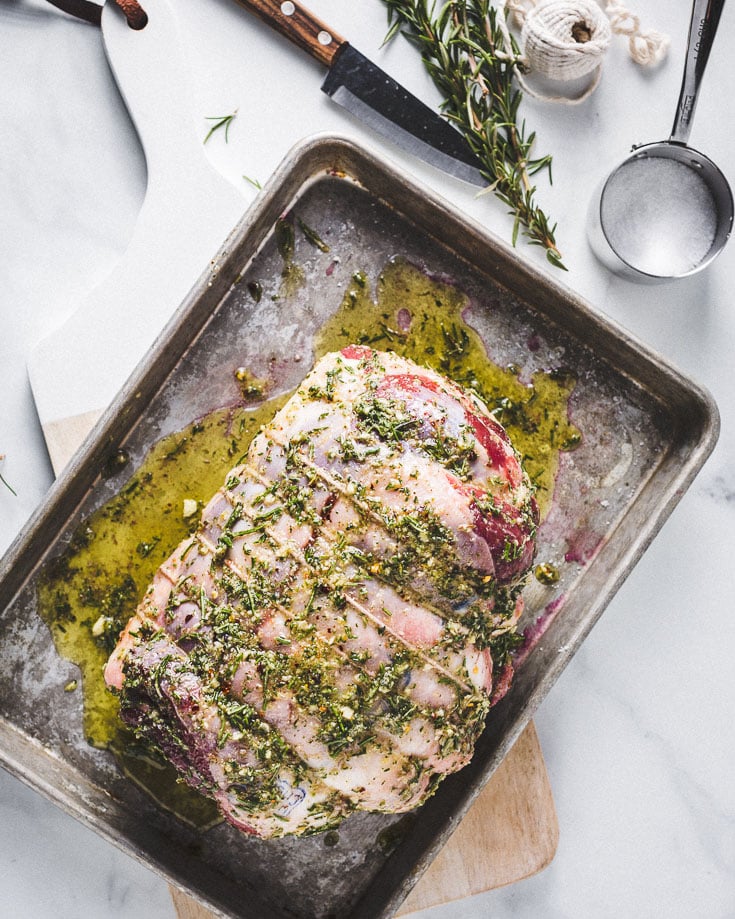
333 635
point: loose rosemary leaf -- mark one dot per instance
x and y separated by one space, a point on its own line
220 121
465 51
4 482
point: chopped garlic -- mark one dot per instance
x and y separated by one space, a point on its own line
190 507
100 626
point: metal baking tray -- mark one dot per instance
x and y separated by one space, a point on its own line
646 430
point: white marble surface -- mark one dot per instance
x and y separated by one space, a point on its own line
639 732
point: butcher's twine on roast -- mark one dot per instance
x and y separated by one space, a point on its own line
333 635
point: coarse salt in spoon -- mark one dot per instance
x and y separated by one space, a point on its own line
667 210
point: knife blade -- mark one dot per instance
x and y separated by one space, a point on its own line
370 94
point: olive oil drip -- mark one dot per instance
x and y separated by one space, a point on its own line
87 595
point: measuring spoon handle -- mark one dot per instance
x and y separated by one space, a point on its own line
702 29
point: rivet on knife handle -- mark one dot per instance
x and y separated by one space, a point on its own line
299 26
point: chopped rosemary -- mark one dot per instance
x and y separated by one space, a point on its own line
220 121
312 236
8 485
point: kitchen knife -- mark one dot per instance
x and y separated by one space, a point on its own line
367 92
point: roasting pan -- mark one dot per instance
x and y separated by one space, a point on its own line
645 432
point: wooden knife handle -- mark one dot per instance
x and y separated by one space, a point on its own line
298 25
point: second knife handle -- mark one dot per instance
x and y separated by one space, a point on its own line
300 26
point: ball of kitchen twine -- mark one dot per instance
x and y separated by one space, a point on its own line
565 39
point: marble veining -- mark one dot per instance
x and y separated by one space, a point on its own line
639 732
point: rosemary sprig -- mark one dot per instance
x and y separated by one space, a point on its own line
464 49
221 121
4 481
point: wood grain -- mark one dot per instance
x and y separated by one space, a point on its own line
511 831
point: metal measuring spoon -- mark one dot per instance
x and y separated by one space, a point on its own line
666 211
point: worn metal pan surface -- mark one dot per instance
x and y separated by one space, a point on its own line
645 431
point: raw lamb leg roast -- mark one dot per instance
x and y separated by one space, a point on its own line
332 636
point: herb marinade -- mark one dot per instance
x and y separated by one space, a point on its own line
95 587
